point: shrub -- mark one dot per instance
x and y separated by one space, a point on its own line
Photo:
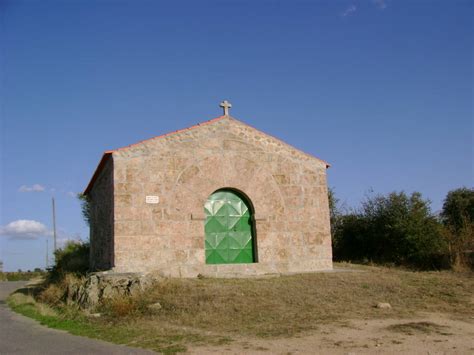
458 208
85 207
395 228
458 220
73 258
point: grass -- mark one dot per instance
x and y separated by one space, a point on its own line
288 305
215 311
168 341
21 275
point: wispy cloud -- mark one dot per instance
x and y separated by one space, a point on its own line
24 229
381 4
349 11
33 188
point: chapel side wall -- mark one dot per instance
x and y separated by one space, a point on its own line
287 188
102 219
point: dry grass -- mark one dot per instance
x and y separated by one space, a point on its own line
42 308
119 307
21 275
20 298
215 311
290 304
52 295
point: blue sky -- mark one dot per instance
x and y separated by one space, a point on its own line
383 90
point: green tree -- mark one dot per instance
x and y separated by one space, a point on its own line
458 208
395 228
86 207
457 216
334 212
73 258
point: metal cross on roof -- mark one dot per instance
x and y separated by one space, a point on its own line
226 105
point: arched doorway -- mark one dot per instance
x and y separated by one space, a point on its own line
229 228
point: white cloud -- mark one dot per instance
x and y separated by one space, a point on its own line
349 11
72 194
33 188
24 229
381 4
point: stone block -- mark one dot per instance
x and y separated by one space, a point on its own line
127 228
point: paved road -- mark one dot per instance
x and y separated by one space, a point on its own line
21 335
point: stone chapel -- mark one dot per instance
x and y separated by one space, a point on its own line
218 199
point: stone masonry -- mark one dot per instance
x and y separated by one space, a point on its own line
102 219
286 187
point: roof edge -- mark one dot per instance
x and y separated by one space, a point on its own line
279 140
170 133
108 153
105 157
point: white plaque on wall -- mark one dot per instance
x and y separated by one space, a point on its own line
152 199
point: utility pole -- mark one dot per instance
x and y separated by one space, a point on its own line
54 226
47 256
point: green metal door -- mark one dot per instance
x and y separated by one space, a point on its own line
228 229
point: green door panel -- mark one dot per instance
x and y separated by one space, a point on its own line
228 229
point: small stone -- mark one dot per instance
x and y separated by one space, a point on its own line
154 307
96 315
383 305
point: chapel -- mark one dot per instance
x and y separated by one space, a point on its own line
220 198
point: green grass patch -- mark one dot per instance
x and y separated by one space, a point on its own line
31 309
125 332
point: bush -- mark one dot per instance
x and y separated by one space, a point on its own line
458 208
73 258
458 220
395 228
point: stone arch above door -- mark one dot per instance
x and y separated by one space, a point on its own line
199 180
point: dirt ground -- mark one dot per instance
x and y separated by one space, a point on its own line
318 313
429 334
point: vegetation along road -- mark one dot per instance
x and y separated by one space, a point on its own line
21 335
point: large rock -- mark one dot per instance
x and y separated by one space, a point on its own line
96 287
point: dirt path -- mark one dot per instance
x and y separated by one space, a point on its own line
429 334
